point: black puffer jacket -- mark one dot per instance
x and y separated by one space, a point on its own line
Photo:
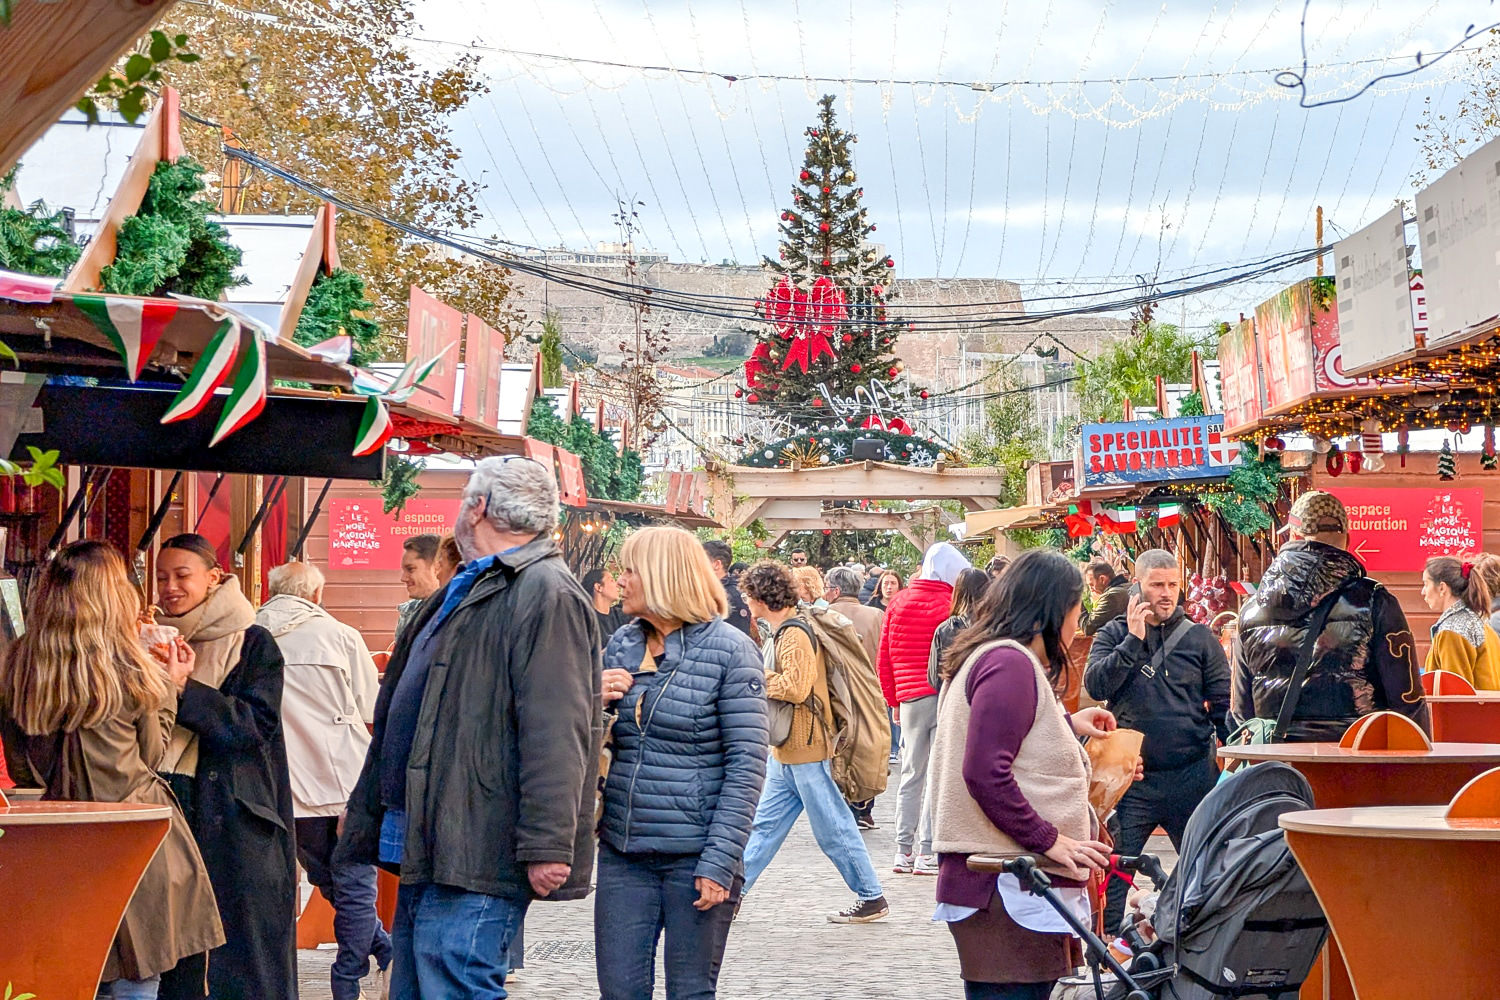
1364 662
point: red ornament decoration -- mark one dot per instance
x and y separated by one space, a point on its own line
822 227
754 398
1335 461
827 531
923 394
872 227
855 368
877 289
891 372
817 402
739 393
828 190
889 262
804 175
827 262
808 321
785 216
847 338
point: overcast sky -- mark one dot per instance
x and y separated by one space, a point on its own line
1057 184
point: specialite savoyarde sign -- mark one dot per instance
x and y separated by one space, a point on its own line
1145 451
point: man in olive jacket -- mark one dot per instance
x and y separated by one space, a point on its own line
480 781
1111 590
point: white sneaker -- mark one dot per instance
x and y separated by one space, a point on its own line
926 864
903 864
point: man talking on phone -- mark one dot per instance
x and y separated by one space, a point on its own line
1165 675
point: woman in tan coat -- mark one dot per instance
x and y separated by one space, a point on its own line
87 712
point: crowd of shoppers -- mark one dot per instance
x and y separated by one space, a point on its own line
668 717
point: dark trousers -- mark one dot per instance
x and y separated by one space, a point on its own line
351 890
1164 798
1007 991
640 896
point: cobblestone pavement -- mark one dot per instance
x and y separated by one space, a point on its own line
781 948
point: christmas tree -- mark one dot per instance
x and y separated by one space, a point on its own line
824 358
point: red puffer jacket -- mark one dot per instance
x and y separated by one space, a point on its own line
906 639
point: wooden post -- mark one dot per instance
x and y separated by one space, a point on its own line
1319 235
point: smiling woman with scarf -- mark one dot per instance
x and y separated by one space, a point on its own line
227 765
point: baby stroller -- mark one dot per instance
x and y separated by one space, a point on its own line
1236 918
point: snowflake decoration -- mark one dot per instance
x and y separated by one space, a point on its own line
839 449
921 456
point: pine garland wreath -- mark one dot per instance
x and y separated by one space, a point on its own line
1191 405
330 311
170 246
1447 464
36 241
836 447
401 481
1253 485
608 473
544 424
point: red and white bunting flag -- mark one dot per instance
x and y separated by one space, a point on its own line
133 325
374 428
247 397
1243 587
413 374
1169 515
212 368
1116 520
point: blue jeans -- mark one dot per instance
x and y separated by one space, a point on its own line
133 989
351 889
450 943
791 788
639 896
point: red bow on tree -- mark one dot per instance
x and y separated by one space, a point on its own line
807 321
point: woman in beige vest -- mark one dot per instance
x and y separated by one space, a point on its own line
1009 776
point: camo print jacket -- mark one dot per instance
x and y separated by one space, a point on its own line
1365 660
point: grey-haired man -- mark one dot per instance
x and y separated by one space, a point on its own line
479 785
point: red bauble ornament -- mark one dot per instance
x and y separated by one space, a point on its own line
828 190
855 368
877 289
786 216
827 262
816 402
889 262
754 398
822 227
848 338
923 394
827 531
739 393
872 228
813 132
804 175
891 372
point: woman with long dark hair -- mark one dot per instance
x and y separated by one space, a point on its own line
226 763
1008 775
886 590
968 589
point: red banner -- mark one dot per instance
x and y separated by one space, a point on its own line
432 331
361 535
1397 530
1239 374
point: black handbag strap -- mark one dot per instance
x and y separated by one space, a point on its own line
1168 643
1305 653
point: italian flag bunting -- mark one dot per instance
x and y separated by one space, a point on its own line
413 375
133 325
247 397
1169 515
212 368
374 428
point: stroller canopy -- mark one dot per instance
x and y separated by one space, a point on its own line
1233 855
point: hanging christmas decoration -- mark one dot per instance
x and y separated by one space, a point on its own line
1335 460
374 427
1487 458
1403 443
247 397
1447 463
1372 445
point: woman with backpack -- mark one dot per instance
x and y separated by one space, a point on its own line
689 758
1008 775
800 774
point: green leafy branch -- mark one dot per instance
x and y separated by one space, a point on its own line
128 90
42 471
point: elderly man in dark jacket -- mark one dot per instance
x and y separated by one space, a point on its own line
480 782
1165 675
1365 660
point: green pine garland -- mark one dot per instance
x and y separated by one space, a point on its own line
1191 405
35 240
331 306
1253 486
838 448
170 246
401 481
608 474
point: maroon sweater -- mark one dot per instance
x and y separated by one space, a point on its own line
1001 688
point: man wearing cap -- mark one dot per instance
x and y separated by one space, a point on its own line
1364 660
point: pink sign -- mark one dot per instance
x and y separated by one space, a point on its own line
1283 333
1239 374
1398 530
484 353
361 535
432 331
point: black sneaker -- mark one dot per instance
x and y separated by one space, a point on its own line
863 911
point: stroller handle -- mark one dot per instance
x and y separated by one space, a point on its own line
1147 864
